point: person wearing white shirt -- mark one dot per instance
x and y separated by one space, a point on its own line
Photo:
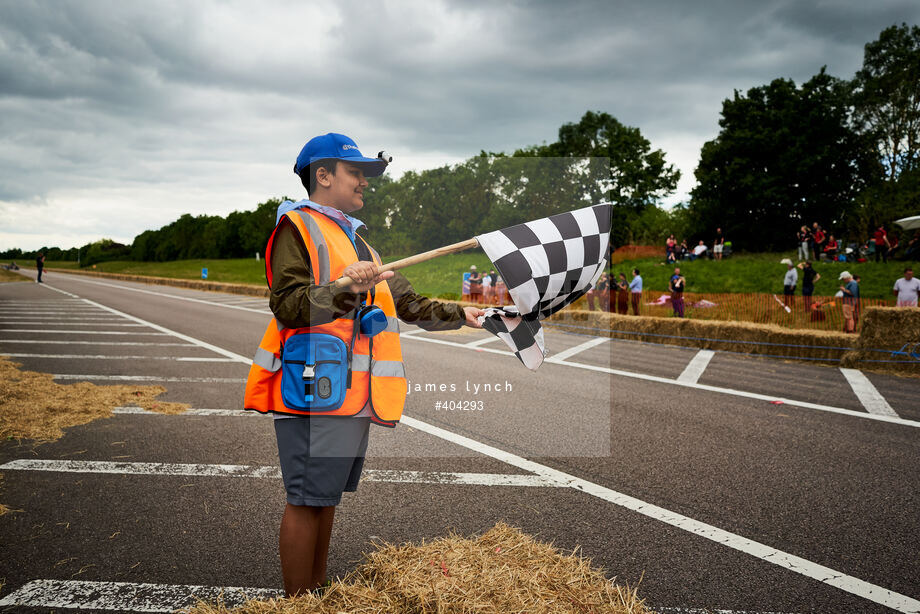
789 282
907 289
699 251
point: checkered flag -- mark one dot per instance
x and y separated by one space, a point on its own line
547 264
523 335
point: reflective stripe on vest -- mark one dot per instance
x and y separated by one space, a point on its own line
378 374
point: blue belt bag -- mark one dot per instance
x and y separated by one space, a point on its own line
314 372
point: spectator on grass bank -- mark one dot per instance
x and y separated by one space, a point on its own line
40 265
622 294
475 285
831 248
907 289
802 239
912 249
635 291
493 282
809 277
683 251
717 244
789 282
892 246
817 238
670 249
699 251
881 243
850 291
598 293
676 287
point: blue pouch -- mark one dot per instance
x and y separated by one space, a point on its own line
314 372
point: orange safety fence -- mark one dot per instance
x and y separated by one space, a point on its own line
822 312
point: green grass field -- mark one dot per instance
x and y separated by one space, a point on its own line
442 276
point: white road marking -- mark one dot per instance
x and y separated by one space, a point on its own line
189 412
581 347
60 342
72 323
763 552
696 367
118 357
661 610
483 341
272 471
75 332
127 596
152 378
164 295
867 394
674 382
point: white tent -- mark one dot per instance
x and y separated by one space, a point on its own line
909 223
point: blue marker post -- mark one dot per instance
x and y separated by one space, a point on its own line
204 273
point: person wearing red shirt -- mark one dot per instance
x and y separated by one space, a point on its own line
881 244
818 238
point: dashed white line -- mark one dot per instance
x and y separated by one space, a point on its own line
695 368
76 332
127 596
117 357
581 347
272 471
151 378
69 342
867 394
72 323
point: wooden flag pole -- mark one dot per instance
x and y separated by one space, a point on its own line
399 264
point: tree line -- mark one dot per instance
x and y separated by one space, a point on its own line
844 153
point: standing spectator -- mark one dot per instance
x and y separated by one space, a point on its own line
850 291
475 285
699 251
622 294
40 265
494 284
635 291
597 292
670 249
487 289
718 243
789 282
881 243
831 248
818 238
892 246
907 289
802 238
676 287
809 277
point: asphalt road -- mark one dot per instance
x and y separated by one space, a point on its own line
737 484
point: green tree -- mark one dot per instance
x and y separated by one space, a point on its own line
638 176
785 156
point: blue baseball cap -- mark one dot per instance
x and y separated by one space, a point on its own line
337 147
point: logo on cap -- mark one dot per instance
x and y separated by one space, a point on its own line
347 146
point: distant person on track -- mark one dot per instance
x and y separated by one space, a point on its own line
907 289
676 287
39 265
789 282
850 290
635 291
323 408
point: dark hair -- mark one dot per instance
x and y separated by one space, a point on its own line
908 269
308 174
636 271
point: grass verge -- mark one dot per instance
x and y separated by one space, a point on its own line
503 570
7 276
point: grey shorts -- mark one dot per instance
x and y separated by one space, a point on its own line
321 457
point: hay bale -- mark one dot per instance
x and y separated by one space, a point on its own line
895 329
33 406
743 337
503 570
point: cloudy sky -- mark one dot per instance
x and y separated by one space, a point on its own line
117 117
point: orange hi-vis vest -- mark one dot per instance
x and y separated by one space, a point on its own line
378 376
